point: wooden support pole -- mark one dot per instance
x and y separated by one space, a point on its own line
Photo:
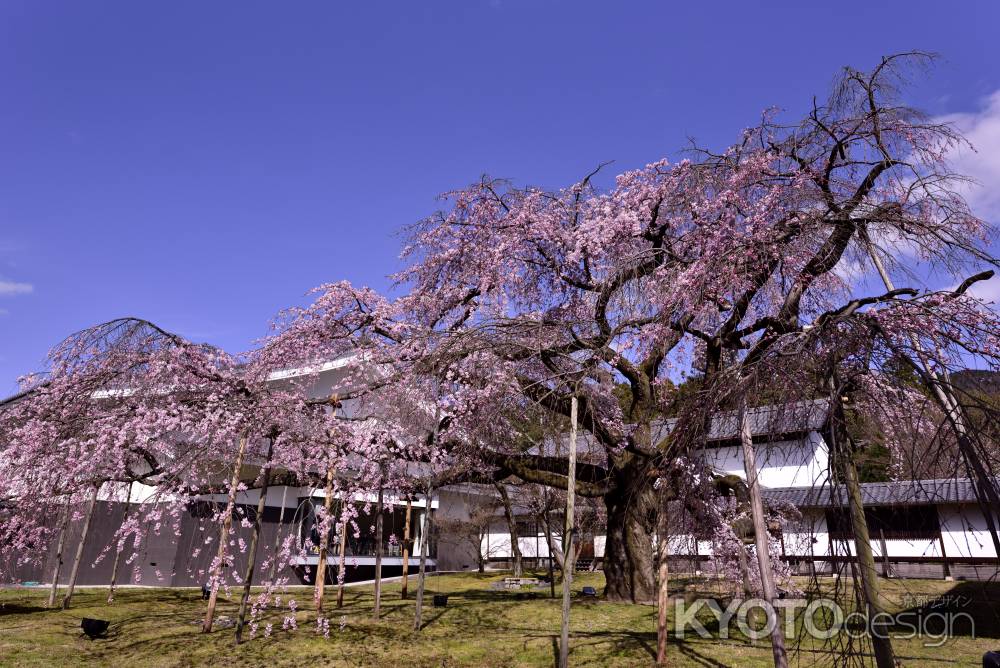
538 550
406 547
252 553
60 546
515 545
75 570
760 538
342 559
886 570
881 644
944 556
745 571
568 556
663 591
697 558
842 447
940 386
425 530
277 536
324 543
548 543
378 554
118 549
227 522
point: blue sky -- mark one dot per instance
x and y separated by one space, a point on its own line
203 165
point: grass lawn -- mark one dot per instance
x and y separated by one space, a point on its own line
479 627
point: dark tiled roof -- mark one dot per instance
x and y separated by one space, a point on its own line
14 398
799 416
906 492
769 421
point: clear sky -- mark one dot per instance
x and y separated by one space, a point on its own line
203 164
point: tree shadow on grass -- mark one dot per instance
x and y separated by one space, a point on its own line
969 609
173 615
168 628
433 619
625 642
7 609
694 655
619 641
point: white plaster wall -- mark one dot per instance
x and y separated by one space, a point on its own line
926 547
798 463
496 544
895 547
680 544
807 535
274 497
599 544
965 533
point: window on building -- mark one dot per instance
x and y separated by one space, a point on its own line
526 528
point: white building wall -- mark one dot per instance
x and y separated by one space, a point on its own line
533 546
293 494
807 536
799 463
923 547
496 544
964 532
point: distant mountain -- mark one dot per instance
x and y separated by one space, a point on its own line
976 379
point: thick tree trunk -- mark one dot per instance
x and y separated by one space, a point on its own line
75 571
760 538
324 543
252 553
629 570
118 550
406 549
60 546
425 531
227 522
508 511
